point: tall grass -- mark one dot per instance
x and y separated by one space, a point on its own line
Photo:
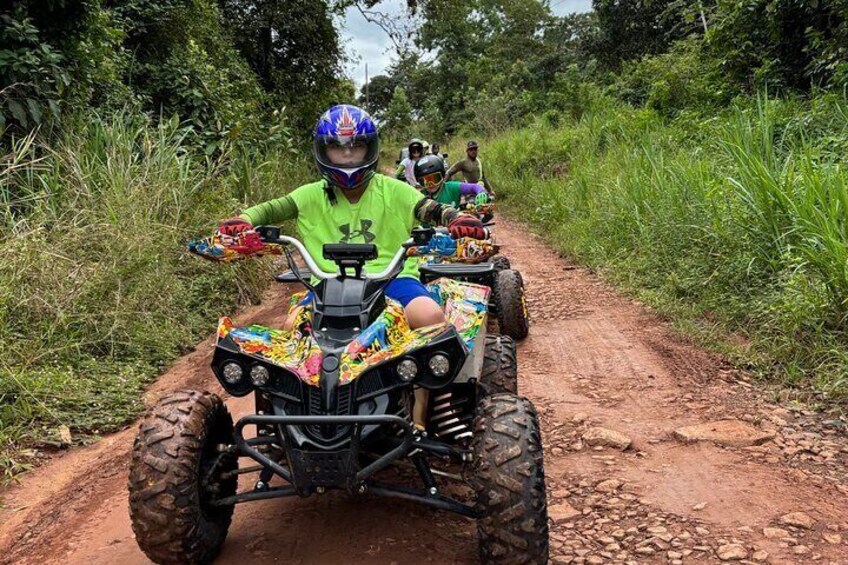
97 293
736 225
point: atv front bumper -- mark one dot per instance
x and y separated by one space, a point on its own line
316 470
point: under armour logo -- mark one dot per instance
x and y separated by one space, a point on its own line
363 232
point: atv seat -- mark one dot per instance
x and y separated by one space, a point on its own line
452 270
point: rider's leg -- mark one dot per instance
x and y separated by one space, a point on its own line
418 306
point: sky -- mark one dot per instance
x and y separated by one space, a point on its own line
366 42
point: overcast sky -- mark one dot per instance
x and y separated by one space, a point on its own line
367 42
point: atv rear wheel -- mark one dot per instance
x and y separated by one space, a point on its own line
510 304
501 262
175 474
500 370
509 481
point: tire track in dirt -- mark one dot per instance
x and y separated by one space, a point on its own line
593 358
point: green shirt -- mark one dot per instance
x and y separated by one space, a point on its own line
384 216
449 194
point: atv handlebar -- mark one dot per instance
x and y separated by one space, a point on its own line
272 235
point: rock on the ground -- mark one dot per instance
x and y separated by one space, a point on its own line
608 438
732 552
797 519
760 555
730 433
562 512
610 485
773 533
835 539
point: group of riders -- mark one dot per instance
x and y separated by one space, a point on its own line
426 169
354 203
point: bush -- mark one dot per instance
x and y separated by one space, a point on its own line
97 291
682 79
735 224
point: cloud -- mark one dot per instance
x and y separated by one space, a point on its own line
367 42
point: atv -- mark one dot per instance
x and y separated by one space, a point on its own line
479 262
348 392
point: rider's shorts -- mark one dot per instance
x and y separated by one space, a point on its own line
403 289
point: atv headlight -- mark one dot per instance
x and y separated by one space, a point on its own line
232 372
439 365
259 375
407 370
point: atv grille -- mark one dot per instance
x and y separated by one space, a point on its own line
452 414
329 432
369 384
288 385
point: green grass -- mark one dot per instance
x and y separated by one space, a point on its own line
735 225
97 292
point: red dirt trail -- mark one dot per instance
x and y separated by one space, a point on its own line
593 359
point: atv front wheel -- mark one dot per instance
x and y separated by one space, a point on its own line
509 481
510 304
175 474
500 370
501 262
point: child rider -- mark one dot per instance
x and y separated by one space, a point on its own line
430 174
355 204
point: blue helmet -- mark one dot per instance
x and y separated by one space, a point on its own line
346 126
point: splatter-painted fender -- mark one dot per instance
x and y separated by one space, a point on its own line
389 337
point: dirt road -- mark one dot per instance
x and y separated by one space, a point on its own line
604 374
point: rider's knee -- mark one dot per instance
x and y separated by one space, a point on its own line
423 311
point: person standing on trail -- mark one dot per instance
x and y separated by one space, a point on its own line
471 168
406 168
355 204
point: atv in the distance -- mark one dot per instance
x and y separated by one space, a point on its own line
348 392
479 262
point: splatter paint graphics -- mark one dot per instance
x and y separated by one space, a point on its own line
387 338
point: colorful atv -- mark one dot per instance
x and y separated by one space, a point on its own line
347 393
485 212
479 262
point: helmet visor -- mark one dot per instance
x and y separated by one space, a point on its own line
347 152
431 180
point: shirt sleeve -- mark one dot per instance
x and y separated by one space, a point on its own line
469 188
454 169
278 210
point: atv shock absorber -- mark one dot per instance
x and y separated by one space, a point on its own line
419 409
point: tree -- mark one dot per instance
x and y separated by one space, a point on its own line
293 46
399 114
381 89
783 43
630 29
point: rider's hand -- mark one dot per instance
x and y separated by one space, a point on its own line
234 226
468 226
481 199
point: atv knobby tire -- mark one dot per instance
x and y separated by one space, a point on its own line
508 478
510 304
172 455
500 370
501 262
